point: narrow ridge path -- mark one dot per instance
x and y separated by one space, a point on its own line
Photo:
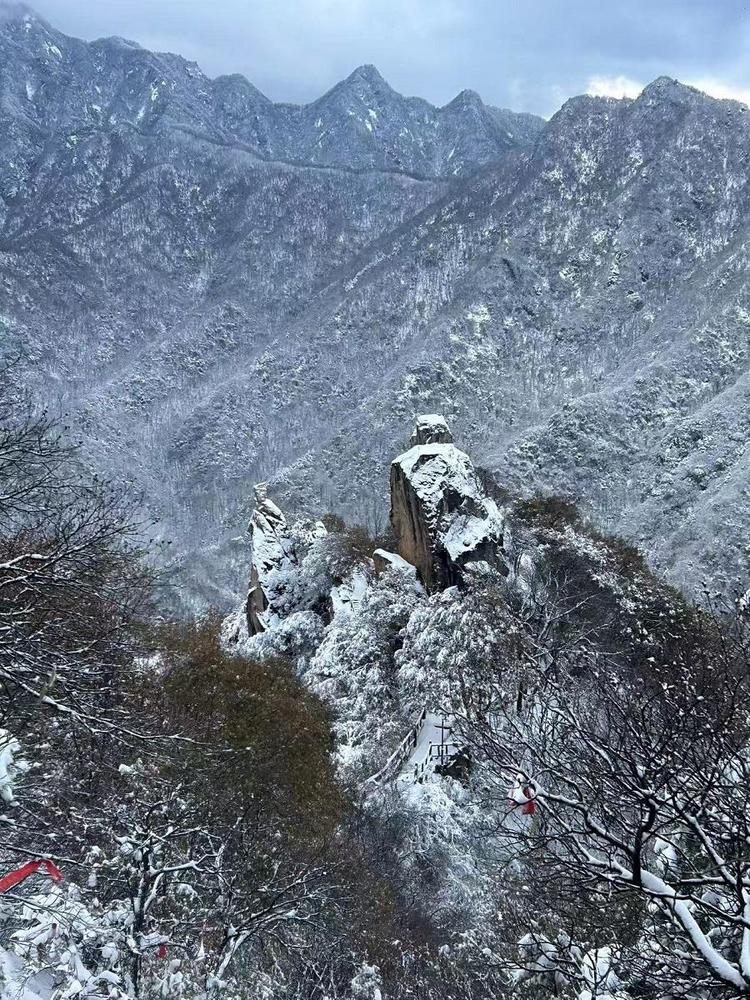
434 744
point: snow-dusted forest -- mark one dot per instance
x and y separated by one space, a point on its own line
463 712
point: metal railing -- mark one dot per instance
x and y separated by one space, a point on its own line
401 754
437 754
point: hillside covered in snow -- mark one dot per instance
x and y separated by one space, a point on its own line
216 290
486 754
464 714
502 682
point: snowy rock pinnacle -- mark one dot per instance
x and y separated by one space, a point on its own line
440 514
431 429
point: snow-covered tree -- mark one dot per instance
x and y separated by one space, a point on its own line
354 667
463 649
643 791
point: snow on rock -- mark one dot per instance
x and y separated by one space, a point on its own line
431 428
440 514
277 552
392 560
267 551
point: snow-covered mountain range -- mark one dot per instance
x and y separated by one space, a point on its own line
218 290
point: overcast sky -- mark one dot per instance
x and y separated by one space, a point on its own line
529 55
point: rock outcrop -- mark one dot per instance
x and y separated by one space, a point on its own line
440 514
267 530
288 570
384 560
431 428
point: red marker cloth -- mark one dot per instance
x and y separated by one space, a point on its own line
524 797
529 807
30 868
162 950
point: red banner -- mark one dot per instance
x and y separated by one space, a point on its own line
30 868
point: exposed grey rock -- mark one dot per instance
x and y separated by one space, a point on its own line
289 572
269 553
431 429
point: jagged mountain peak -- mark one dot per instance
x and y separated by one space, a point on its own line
228 289
581 105
466 99
665 91
238 83
661 92
118 42
21 23
364 85
665 94
361 123
664 99
369 74
667 88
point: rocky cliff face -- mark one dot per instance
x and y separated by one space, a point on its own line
288 571
442 520
219 291
440 515
382 646
269 552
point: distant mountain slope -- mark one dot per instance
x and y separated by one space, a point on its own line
49 83
587 325
220 290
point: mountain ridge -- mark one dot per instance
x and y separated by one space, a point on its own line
166 86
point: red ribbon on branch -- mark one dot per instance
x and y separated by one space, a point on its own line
526 799
30 868
529 807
